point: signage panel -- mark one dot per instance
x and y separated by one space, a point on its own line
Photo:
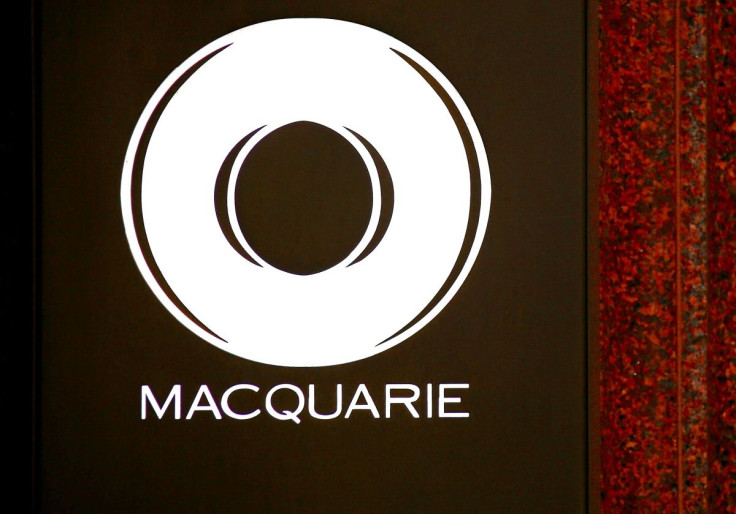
312 258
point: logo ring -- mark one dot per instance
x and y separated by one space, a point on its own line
394 103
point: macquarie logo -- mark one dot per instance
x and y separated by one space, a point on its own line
231 124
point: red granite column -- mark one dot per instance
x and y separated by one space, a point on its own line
722 249
692 209
638 315
654 262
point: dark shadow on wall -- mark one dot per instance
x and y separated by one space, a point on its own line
16 277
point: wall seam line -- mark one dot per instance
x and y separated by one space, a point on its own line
678 260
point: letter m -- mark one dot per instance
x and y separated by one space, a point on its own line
147 397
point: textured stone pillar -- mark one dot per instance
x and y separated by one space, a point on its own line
667 233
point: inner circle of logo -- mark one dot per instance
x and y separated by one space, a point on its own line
428 172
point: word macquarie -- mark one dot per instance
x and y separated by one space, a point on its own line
287 402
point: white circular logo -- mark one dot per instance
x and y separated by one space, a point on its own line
189 152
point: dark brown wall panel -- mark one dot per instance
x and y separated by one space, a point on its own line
515 332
